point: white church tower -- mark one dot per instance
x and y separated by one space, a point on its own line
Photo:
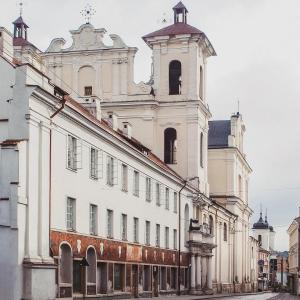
173 121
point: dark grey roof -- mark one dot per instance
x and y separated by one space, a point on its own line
218 133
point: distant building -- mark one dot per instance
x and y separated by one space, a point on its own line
294 256
265 235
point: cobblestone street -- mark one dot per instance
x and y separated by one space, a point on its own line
263 296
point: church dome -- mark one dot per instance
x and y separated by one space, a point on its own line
261 224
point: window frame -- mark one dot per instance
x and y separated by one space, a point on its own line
167 198
148 189
72 153
136 230
124 226
110 223
147 232
88 88
93 231
124 178
157 193
157 235
136 183
71 213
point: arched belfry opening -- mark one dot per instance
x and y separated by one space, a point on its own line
175 77
170 146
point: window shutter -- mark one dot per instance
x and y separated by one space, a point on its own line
115 171
78 154
100 164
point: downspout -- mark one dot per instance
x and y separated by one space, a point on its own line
63 101
179 236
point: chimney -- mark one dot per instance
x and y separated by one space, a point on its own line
92 104
127 129
299 211
112 120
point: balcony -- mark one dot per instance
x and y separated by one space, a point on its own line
199 233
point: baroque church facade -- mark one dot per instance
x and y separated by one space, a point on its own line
115 189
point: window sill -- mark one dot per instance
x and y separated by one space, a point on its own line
94 178
124 191
71 230
72 170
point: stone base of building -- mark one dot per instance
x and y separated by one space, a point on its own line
237 288
246 288
39 280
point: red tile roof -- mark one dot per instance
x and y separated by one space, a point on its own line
175 29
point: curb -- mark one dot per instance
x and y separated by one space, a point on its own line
216 296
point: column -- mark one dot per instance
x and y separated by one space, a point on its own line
204 271
209 278
198 277
193 272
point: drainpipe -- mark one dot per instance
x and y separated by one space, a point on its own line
63 101
179 236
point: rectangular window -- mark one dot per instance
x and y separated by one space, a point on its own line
135 230
71 213
88 91
167 203
110 170
174 239
124 227
136 183
94 163
93 219
110 220
124 178
157 194
157 236
72 152
148 189
167 237
147 235
175 202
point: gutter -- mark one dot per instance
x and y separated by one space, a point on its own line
63 102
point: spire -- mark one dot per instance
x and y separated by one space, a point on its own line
266 217
180 13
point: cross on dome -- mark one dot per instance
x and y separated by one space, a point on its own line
87 13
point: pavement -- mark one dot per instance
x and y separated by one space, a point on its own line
252 296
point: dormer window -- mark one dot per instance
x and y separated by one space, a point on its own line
175 77
88 91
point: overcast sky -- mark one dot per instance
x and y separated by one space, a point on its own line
258 48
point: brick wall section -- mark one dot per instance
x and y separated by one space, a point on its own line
111 250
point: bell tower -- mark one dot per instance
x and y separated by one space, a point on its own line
180 53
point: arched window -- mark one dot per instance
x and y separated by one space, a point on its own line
65 268
92 268
86 81
175 77
170 145
186 222
225 232
201 150
211 225
201 84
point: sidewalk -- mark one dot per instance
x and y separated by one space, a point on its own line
215 296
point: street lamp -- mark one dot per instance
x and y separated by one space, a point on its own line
84 264
179 228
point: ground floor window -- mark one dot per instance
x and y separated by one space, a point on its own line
147 278
118 277
173 278
163 278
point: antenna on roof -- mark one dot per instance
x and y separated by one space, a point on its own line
238 106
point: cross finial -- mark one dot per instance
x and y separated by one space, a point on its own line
21 5
87 13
